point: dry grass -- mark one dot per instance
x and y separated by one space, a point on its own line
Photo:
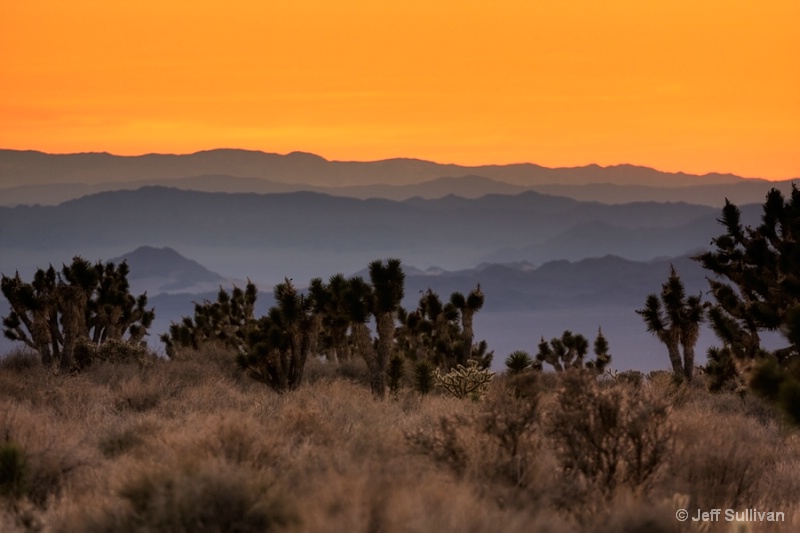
192 445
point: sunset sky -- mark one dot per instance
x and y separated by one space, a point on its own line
695 86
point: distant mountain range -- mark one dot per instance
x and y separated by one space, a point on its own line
36 168
271 230
28 178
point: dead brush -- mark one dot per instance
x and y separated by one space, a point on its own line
494 444
46 454
202 498
724 461
608 436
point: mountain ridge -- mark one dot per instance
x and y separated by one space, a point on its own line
31 167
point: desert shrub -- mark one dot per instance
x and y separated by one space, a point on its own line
634 378
495 444
609 436
201 499
117 441
23 378
632 514
14 470
525 384
50 470
444 445
138 397
40 455
663 378
114 351
117 351
722 461
19 361
508 423
734 404
236 438
318 370
354 370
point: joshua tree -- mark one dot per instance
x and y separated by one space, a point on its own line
225 321
757 277
442 333
388 286
279 344
467 307
570 350
358 304
602 356
114 309
34 309
563 353
675 320
756 288
331 310
82 304
430 331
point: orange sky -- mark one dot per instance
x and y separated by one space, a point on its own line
698 86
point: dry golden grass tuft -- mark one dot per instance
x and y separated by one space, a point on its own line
193 445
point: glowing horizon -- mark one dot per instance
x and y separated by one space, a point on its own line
679 86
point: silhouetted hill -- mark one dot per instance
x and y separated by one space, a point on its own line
36 168
158 270
171 217
742 192
29 178
594 282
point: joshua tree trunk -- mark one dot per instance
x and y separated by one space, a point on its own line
363 344
387 289
41 336
73 301
339 346
674 356
689 340
466 335
313 341
302 335
385 338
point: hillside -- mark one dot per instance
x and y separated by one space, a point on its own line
163 270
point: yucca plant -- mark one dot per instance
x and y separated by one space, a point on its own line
518 362
424 377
